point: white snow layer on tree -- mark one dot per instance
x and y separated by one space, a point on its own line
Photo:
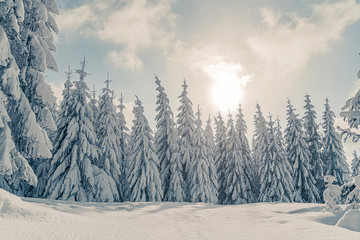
144 177
14 169
167 148
73 175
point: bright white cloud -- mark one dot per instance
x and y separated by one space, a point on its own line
126 58
286 46
134 26
72 21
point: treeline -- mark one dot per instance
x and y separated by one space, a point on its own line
97 158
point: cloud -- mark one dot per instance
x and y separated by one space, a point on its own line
126 59
72 21
133 26
288 41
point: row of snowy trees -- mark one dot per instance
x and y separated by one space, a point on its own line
96 158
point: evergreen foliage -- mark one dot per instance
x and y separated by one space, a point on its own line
276 180
299 156
186 128
144 177
167 148
333 152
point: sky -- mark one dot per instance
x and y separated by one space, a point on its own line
229 52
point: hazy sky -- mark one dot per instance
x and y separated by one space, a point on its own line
228 51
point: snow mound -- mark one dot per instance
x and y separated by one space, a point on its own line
13 206
350 220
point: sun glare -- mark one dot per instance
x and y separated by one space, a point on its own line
227 90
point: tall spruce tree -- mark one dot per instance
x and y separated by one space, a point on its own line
167 149
144 176
237 185
248 164
259 141
314 141
210 144
29 137
73 175
15 172
299 157
108 132
200 187
186 128
355 165
333 152
220 156
124 149
36 33
276 180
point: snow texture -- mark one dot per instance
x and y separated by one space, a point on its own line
167 148
299 155
144 176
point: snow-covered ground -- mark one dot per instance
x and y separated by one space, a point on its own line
47 219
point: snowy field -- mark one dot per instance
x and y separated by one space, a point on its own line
49 219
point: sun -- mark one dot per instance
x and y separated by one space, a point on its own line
227 90
226 95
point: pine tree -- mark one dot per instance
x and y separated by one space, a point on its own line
355 165
15 172
299 157
36 33
73 175
241 130
220 155
259 141
237 185
276 180
107 132
186 128
313 139
210 144
333 152
123 146
94 104
200 186
30 139
144 177
167 149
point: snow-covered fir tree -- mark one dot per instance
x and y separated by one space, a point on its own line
167 148
123 146
107 130
259 141
333 152
94 103
299 156
73 175
37 36
210 144
275 179
314 141
144 177
237 184
241 130
355 165
186 128
220 155
200 187
29 137
15 172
